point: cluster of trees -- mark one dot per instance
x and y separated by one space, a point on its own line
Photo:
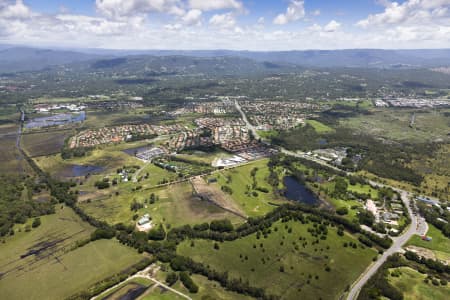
16 206
378 285
385 160
135 206
157 234
68 153
185 264
227 189
430 263
102 184
188 282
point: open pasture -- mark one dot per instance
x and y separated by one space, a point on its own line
440 245
395 124
25 251
175 205
239 180
45 263
319 127
60 276
106 160
44 143
413 287
289 262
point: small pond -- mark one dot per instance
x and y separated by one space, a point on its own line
296 191
83 170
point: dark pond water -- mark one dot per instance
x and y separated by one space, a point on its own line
54 120
298 192
133 151
83 170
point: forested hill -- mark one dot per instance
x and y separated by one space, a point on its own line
18 58
148 65
14 59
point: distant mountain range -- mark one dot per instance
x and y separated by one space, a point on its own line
15 58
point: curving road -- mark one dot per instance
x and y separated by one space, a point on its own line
417 226
248 124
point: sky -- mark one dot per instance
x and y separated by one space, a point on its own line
259 25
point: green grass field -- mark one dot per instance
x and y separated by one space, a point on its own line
240 179
394 124
440 244
208 290
319 127
413 287
176 206
58 277
108 158
245 258
436 172
64 226
358 188
60 269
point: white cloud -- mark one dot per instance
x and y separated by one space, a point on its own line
411 12
193 17
226 20
295 11
413 24
316 12
125 8
332 26
206 5
17 10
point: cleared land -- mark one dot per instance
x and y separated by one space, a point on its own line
413 287
62 276
176 206
436 172
212 193
207 290
440 245
106 158
319 127
46 264
394 124
239 179
285 265
44 143
127 288
11 161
